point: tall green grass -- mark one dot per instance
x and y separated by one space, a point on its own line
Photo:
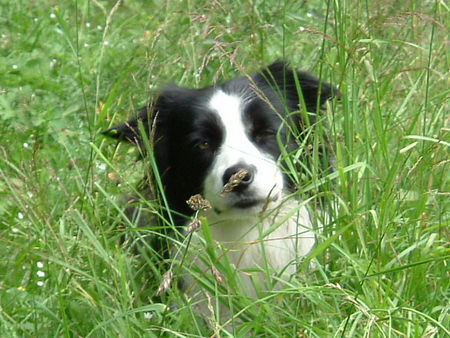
70 69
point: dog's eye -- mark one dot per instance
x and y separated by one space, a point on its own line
203 145
262 135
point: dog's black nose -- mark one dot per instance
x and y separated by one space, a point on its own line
242 182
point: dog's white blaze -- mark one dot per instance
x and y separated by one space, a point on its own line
238 148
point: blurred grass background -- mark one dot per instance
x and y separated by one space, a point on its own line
69 69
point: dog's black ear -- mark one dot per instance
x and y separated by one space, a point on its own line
130 130
313 92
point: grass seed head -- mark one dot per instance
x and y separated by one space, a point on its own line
166 283
197 202
234 181
194 226
220 277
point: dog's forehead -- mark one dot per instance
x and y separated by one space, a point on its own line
222 102
228 107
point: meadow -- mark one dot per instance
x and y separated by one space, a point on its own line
71 69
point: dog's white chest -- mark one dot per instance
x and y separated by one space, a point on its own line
255 249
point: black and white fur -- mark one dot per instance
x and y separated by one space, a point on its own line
200 137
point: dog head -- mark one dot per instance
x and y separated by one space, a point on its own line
202 138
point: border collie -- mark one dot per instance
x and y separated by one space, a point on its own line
203 138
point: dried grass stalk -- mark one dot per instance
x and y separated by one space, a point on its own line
234 181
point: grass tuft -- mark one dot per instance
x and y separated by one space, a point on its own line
72 69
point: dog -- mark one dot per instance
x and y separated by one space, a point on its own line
227 142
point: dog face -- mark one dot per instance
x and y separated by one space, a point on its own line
249 142
201 137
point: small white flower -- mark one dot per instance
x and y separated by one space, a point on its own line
52 16
40 283
86 44
40 273
101 166
15 67
88 24
301 29
99 27
14 230
20 215
106 43
26 145
35 19
40 265
309 15
148 315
